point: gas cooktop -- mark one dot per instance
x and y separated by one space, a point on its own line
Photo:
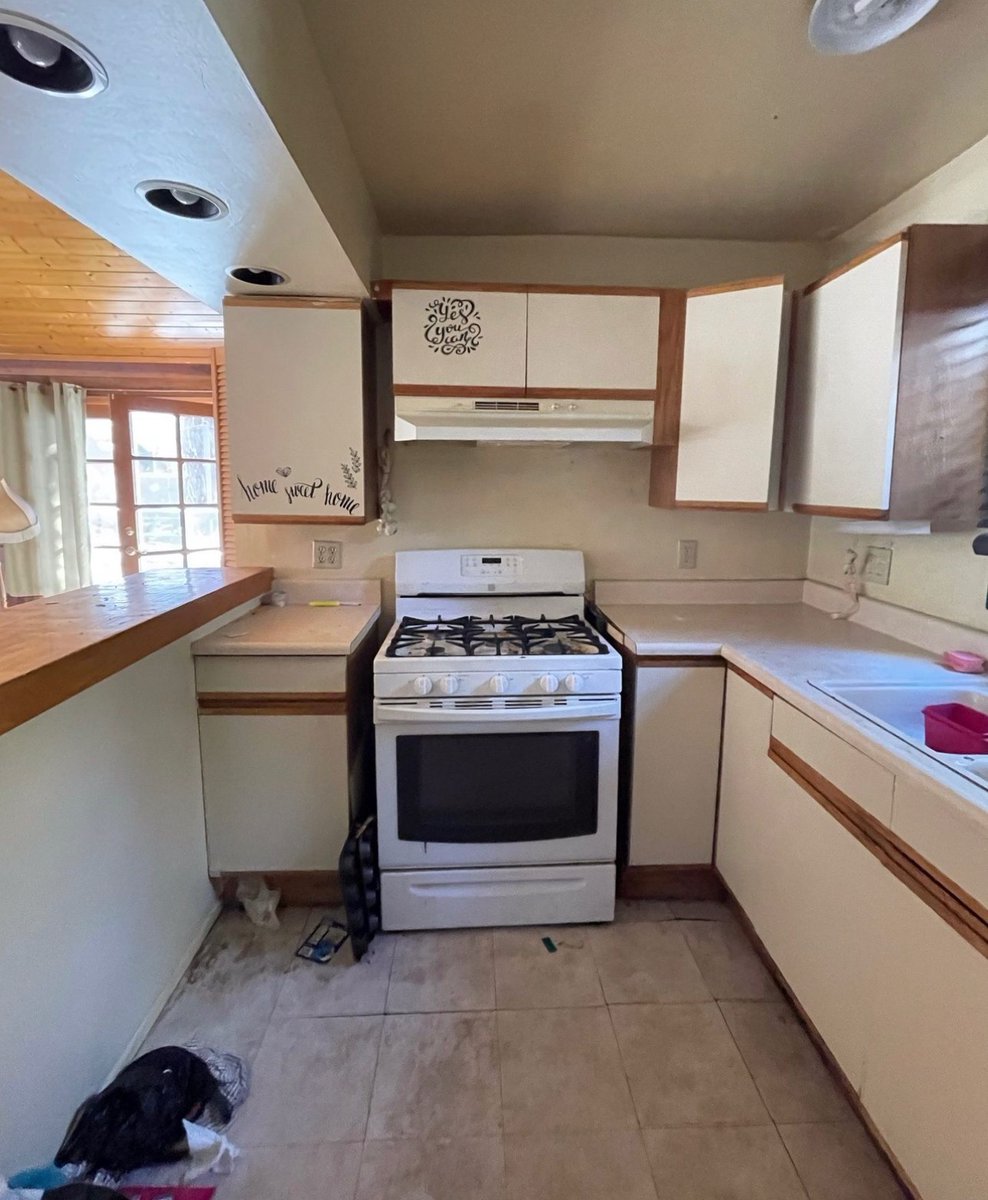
474 637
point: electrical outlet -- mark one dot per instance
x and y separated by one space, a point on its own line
686 554
327 555
878 564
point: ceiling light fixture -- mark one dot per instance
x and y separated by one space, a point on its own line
47 59
182 200
854 26
258 276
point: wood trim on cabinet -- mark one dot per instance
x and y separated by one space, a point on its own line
299 889
951 903
222 415
668 406
678 660
752 681
670 881
557 393
382 289
835 510
300 519
831 1063
51 651
291 302
740 285
858 259
725 505
272 704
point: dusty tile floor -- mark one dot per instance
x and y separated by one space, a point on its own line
652 1059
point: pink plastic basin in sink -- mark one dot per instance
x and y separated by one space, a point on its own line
956 729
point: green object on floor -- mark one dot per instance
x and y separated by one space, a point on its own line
549 944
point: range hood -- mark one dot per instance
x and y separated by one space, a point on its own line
462 419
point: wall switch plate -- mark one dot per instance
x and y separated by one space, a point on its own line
878 564
686 554
327 555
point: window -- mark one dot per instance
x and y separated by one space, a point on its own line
151 475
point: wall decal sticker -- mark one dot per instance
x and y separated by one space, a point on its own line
284 472
452 325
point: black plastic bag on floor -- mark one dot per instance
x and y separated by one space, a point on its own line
82 1191
136 1121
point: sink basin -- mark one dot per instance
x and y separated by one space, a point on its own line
898 707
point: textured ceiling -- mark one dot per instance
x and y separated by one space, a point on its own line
669 118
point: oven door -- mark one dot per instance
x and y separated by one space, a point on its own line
504 790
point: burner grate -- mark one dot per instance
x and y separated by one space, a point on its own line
494 637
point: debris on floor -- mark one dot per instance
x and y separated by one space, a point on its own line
549 944
327 937
260 902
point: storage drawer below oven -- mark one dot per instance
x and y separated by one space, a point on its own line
469 898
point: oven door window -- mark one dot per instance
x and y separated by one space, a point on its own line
494 787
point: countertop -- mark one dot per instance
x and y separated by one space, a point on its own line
294 629
789 647
54 648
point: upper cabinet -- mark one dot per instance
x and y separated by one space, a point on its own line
721 388
300 411
889 392
458 339
584 342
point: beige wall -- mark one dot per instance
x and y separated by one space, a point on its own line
593 498
936 574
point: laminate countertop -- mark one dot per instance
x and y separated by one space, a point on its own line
295 629
54 648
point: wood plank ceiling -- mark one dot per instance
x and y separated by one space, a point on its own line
65 291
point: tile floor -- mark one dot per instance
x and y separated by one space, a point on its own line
652 1059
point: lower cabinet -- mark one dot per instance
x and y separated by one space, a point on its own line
677 719
276 791
896 993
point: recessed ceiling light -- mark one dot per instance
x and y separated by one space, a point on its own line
182 200
45 58
258 276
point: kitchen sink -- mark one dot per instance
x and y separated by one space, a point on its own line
898 707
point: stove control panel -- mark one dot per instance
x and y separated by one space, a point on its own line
490 566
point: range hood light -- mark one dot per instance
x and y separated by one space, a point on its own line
182 200
258 276
44 58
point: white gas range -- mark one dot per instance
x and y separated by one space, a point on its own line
496 707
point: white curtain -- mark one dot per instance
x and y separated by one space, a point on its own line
43 458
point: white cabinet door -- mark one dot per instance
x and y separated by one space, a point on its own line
276 791
295 401
606 343
730 415
676 759
454 338
848 337
926 1079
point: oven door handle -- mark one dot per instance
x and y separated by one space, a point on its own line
386 714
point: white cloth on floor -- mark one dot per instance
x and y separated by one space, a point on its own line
209 1151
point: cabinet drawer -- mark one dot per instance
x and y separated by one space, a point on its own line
846 768
261 674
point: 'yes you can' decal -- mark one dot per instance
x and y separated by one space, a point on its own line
452 325
303 492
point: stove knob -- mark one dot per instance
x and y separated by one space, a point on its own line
448 684
549 683
573 683
499 684
423 685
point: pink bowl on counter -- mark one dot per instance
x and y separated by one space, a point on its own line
956 729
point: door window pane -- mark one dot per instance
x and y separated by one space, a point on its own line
198 437
159 529
160 562
202 528
153 434
205 558
155 481
199 482
104 529
99 437
100 483
106 565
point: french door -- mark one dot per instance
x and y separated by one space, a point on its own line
151 471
